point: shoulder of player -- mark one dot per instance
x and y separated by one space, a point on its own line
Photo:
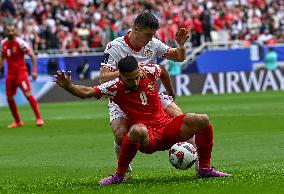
151 68
4 41
156 41
20 40
111 84
22 43
113 45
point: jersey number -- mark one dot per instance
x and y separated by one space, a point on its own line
143 98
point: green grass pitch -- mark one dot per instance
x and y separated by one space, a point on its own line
74 149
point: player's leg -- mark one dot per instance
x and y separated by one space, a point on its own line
11 89
173 110
199 125
119 126
136 137
26 88
169 105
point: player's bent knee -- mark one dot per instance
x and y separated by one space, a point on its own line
203 121
198 121
137 132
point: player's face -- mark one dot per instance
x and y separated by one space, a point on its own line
144 36
131 79
11 32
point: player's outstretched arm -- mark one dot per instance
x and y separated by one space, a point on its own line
80 91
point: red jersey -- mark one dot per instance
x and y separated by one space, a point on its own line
142 105
14 51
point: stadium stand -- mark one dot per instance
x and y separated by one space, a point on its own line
68 26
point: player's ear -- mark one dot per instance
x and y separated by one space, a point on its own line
135 29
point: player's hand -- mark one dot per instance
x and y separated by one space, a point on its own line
63 80
182 35
34 75
142 72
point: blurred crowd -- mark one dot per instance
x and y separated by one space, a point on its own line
68 25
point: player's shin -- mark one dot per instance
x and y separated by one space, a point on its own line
117 152
34 106
14 110
127 153
204 143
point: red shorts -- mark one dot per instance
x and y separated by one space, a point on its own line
164 138
15 81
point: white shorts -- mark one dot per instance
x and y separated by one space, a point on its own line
115 112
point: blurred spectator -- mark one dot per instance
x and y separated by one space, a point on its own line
48 24
52 66
271 59
82 69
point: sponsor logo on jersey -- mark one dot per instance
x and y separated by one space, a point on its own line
148 53
14 49
151 86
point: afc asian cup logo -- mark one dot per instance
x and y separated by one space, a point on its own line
148 53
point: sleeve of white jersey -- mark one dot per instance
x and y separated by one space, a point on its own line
162 49
109 61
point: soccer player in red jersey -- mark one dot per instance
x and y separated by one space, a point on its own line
151 128
13 49
141 43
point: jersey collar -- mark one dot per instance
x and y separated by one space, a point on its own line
126 39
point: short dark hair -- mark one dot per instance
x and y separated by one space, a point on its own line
127 64
146 20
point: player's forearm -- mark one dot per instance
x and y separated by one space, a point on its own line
166 80
108 76
34 61
181 53
80 91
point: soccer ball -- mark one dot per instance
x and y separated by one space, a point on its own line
182 155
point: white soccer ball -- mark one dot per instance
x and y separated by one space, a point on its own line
182 155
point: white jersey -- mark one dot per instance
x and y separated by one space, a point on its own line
121 47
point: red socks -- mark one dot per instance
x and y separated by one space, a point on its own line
34 105
14 110
204 143
128 151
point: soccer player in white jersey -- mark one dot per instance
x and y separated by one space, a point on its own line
141 44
